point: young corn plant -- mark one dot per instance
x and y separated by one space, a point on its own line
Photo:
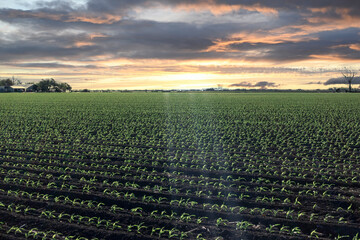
221 222
272 228
315 234
243 225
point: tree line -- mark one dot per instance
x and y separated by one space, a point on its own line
45 85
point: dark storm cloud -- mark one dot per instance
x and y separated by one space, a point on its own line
56 18
334 43
116 5
54 29
126 38
341 80
27 46
176 36
329 9
30 52
342 36
277 4
262 84
52 65
44 65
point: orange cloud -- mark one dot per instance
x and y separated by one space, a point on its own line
88 40
83 44
103 19
343 20
320 10
279 35
215 9
218 9
355 47
97 35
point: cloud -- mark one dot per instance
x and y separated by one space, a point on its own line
233 69
133 39
52 65
341 80
319 6
140 39
261 85
13 15
338 43
315 83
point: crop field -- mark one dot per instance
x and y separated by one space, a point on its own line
180 166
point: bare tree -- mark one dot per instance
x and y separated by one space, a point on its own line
348 75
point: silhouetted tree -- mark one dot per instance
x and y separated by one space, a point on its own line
50 85
348 75
6 82
64 87
10 82
45 84
16 81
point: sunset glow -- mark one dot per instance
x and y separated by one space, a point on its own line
118 44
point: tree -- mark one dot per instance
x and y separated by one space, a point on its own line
50 85
348 75
45 84
6 82
64 87
16 81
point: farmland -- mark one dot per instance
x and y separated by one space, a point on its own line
180 166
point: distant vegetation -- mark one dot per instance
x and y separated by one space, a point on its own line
6 82
45 85
50 85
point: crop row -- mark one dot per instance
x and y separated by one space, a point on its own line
149 166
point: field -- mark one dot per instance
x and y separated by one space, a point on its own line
180 166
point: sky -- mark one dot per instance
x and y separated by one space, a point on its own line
181 44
